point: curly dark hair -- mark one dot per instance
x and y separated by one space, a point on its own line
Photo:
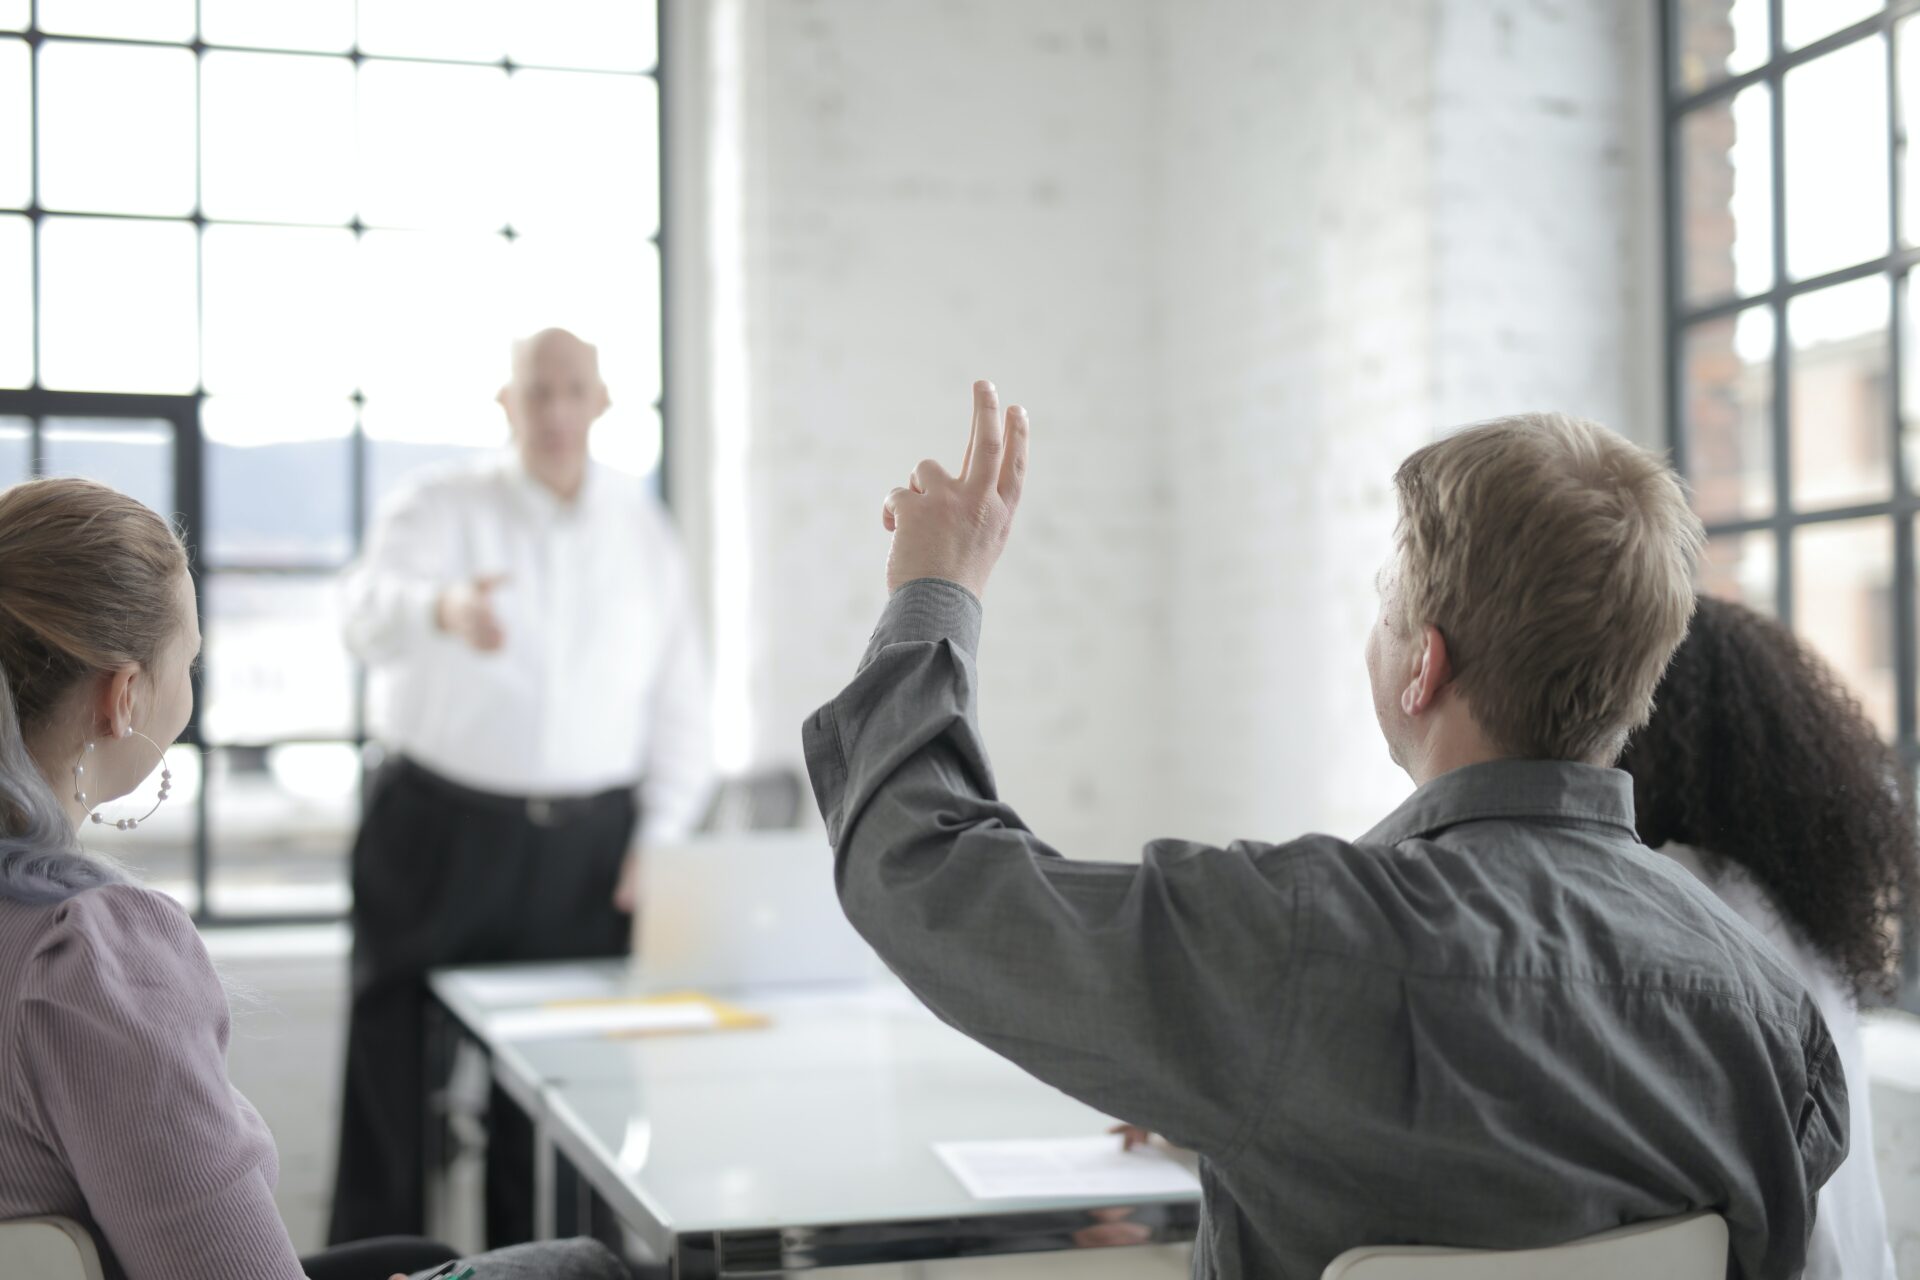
1757 755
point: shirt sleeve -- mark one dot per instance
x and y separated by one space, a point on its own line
392 591
1822 1123
123 1044
1147 991
678 773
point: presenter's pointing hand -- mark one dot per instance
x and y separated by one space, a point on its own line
954 527
466 611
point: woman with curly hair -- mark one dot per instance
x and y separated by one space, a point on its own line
1761 775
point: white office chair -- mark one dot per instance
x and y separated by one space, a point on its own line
1689 1248
48 1249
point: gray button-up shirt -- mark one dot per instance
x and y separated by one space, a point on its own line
1494 1021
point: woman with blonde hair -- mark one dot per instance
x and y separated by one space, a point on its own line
115 1106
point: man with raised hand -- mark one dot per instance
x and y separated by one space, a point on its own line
1494 1021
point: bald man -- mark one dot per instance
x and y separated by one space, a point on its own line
529 626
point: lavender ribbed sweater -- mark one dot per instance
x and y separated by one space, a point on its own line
115 1107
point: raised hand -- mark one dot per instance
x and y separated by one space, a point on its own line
955 527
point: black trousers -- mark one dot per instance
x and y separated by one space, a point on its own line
445 876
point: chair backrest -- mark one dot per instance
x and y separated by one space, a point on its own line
1689 1248
48 1249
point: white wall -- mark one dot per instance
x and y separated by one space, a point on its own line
1396 216
1239 257
1299 369
939 192
1545 200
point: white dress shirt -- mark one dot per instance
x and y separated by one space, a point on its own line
1850 1226
600 684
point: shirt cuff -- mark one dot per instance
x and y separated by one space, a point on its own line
929 609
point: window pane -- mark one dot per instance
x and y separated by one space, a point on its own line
1907 50
470 29
1804 21
280 820
432 328
16 139
1742 567
431 151
1843 606
160 849
628 439
116 128
405 439
1727 400
279 309
1841 415
279 481
14 14
16 451
1836 157
325 25
1910 382
607 290
590 147
117 306
134 455
277 137
16 302
584 33
133 19
1726 176
1717 38
276 667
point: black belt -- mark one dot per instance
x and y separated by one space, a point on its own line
540 811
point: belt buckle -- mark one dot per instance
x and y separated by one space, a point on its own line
540 811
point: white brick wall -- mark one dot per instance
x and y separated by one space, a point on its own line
1394 216
1544 202
1239 256
1298 359
941 192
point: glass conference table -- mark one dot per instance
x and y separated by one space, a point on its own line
804 1143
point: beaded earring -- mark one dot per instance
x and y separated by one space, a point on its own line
122 824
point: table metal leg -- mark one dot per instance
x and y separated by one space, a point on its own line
440 1042
545 1181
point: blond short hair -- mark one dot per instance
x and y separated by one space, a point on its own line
1557 559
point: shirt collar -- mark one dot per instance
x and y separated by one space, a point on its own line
539 499
1550 790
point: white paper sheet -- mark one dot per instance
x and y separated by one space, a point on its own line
1078 1168
555 1022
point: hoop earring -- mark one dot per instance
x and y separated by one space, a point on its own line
123 824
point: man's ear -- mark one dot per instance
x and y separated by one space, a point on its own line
1433 672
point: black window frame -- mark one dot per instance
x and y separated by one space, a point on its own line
1902 505
183 411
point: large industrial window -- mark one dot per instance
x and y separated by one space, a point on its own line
258 262
1793 224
